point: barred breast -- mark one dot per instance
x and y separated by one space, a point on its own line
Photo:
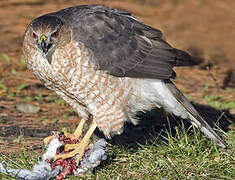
110 100
106 97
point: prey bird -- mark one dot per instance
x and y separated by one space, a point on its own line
108 66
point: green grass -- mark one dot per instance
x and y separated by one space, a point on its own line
5 90
217 102
183 157
5 58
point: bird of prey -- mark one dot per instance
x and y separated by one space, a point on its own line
108 66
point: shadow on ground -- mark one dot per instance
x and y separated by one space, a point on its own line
157 123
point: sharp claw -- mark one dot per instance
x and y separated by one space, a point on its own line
67 155
75 143
69 147
48 139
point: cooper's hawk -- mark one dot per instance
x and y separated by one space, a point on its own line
108 66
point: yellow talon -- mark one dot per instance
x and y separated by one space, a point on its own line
77 133
47 140
80 147
69 147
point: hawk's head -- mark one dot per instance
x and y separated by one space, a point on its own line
46 33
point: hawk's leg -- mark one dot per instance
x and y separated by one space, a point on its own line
80 147
77 133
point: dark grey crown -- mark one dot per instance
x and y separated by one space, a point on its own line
47 21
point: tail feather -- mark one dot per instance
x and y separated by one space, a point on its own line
194 116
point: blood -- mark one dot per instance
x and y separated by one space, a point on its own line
69 165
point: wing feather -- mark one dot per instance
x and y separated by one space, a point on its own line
122 45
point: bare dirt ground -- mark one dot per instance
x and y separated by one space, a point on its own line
203 28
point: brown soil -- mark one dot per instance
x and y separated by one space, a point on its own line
203 28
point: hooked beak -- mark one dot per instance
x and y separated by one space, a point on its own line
44 46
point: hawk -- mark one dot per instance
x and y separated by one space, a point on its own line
108 66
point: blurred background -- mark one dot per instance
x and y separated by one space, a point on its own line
205 29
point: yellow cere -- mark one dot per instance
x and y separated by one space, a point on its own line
43 37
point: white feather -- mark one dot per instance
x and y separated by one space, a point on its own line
51 149
155 92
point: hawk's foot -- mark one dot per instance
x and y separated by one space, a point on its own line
71 150
75 136
75 146
77 133
48 139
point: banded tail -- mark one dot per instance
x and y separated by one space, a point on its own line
195 118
